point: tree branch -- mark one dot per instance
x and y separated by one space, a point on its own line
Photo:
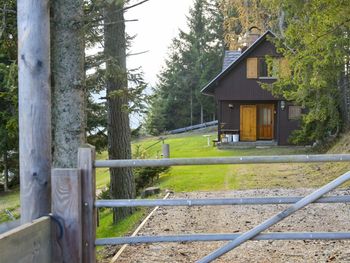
137 4
2 29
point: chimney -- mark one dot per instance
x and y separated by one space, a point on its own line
249 38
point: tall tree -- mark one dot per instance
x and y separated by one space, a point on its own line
316 44
68 80
8 91
119 137
195 57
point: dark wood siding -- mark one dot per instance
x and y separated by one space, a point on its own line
286 126
236 86
229 117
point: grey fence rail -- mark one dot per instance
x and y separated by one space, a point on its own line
225 160
236 239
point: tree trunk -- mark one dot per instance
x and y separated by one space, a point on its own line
119 137
68 81
6 172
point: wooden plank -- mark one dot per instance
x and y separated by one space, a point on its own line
266 121
252 68
86 159
66 208
248 122
28 243
34 107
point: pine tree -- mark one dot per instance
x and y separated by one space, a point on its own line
316 44
195 57
8 92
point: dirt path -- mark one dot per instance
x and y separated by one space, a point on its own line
221 219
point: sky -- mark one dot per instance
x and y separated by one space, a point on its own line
158 23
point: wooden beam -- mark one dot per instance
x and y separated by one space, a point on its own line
28 243
66 209
86 160
34 107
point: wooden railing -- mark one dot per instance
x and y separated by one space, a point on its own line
27 243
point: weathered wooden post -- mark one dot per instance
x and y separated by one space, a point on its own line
34 107
86 159
66 210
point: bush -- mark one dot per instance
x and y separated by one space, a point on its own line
145 176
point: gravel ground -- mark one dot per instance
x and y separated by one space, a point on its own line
225 219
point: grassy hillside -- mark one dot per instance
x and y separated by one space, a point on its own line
210 177
225 177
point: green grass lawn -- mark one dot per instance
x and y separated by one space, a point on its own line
9 201
211 177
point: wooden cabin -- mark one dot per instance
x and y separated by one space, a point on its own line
243 106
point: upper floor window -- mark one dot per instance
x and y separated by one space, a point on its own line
268 70
259 68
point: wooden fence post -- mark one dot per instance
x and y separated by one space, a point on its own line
34 106
86 160
66 210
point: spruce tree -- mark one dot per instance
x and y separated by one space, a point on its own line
195 57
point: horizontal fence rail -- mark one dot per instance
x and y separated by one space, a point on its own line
222 237
214 202
224 160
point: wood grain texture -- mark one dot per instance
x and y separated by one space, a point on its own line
248 123
252 68
265 118
86 160
66 207
34 107
28 243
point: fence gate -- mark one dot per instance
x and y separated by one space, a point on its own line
88 164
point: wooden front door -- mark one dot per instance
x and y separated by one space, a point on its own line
248 123
265 121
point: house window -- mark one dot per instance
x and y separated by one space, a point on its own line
268 70
294 112
259 68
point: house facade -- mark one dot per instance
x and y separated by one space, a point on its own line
243 106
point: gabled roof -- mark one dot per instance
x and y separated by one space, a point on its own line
209 88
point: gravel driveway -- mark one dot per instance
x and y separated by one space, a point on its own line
226 219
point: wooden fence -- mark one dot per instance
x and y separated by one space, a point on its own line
28 243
